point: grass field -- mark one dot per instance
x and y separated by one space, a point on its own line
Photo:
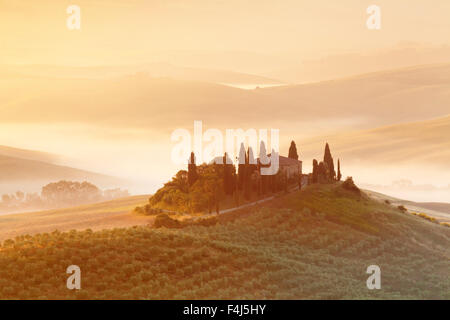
313 244
110 214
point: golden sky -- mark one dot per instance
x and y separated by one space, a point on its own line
130 31
110 121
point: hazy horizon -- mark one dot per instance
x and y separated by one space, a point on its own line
107 97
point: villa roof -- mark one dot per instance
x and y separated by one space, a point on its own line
285 161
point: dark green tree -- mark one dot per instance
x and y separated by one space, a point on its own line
65 193
315 172
227 175
251 159
192 170
339 175
322 172
328 160
248 175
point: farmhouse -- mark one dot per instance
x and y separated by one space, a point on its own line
292 167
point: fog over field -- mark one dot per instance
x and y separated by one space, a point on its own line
105 100
120 126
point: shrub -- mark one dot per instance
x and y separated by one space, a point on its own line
139 210
147 210
349 185
424 216
163 220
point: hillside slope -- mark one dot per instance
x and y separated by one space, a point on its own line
437 210
98 216
422 142
24 174
391 96
140 101
313 244
29 154
153 69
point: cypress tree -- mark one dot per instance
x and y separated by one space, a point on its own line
328 160
241 167
315 173
247 177
322 172
293 151
192 170
227 175
339 175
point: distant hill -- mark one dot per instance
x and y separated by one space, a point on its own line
157 70
364 101
437 206
312 244
438 210
26 175
391 96
353 63
29 154
423 142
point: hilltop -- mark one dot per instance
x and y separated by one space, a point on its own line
310 244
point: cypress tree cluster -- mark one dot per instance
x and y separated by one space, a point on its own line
208 184
323 171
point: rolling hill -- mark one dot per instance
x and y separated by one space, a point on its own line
343 65
312 244
97 216
423 142
30 175
392 96
437 210
29 154
156 70
140 101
